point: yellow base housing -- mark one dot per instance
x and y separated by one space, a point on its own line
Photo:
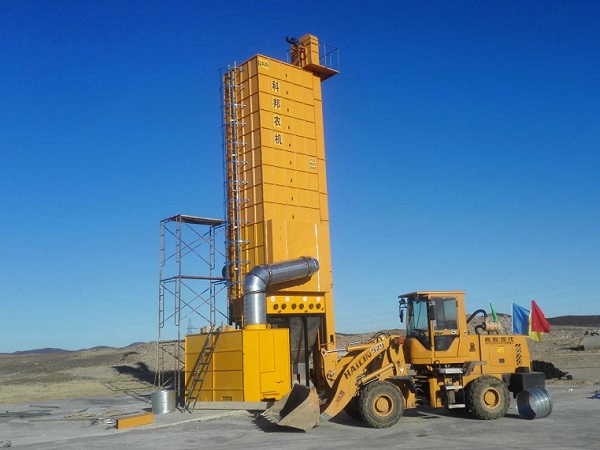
247 365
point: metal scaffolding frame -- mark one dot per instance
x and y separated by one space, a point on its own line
190 288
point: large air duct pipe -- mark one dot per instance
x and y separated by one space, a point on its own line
258 280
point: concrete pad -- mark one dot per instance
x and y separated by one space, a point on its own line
573 424
42 423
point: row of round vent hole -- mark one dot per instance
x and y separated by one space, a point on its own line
294 306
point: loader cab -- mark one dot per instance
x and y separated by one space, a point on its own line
433 321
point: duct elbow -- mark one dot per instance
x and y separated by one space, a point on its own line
258 280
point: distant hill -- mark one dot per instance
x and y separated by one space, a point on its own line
45 351
575 321
40 351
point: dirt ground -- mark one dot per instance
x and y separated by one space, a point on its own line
90 373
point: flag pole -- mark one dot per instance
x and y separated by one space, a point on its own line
512 317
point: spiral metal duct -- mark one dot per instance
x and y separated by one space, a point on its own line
258 280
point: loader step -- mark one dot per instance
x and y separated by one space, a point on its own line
456 405
450 370
452 387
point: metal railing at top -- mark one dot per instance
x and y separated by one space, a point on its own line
329 56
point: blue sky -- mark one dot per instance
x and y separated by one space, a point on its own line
462 142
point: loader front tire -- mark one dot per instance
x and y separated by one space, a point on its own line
352 409
487 398
381 404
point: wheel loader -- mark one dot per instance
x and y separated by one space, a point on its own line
438 363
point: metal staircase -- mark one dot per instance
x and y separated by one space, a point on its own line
200 369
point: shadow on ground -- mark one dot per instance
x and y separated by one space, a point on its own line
139 371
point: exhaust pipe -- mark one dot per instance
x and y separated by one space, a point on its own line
258 280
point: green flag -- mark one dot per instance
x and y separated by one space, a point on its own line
494 315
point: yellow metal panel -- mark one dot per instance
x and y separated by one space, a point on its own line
251 366
225 395
322 176
297 94
272 120
324 206
194 343
254 101
230 379
316 89
310 130
250 67
262 65
281 196
275 376
301 179
290 303
318 112
265 78
272 69
227 360
279 176
269 388
313 202
310 146
308 112
301 239
255 120
267 353
308 95
230 341
134 421
286 71
301 77
253 84
302 196
292 239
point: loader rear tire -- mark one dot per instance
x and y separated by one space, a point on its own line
381 404
487 398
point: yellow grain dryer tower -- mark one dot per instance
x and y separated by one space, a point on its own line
278 247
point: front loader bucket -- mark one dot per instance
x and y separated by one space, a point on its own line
298 409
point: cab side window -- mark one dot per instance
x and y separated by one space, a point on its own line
445 313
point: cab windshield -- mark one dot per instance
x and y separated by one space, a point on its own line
445 313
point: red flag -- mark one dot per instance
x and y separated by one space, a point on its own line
538 320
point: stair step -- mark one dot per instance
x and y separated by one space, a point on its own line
452 387
450 370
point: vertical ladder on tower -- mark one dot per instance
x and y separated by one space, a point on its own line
235 184
201 367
